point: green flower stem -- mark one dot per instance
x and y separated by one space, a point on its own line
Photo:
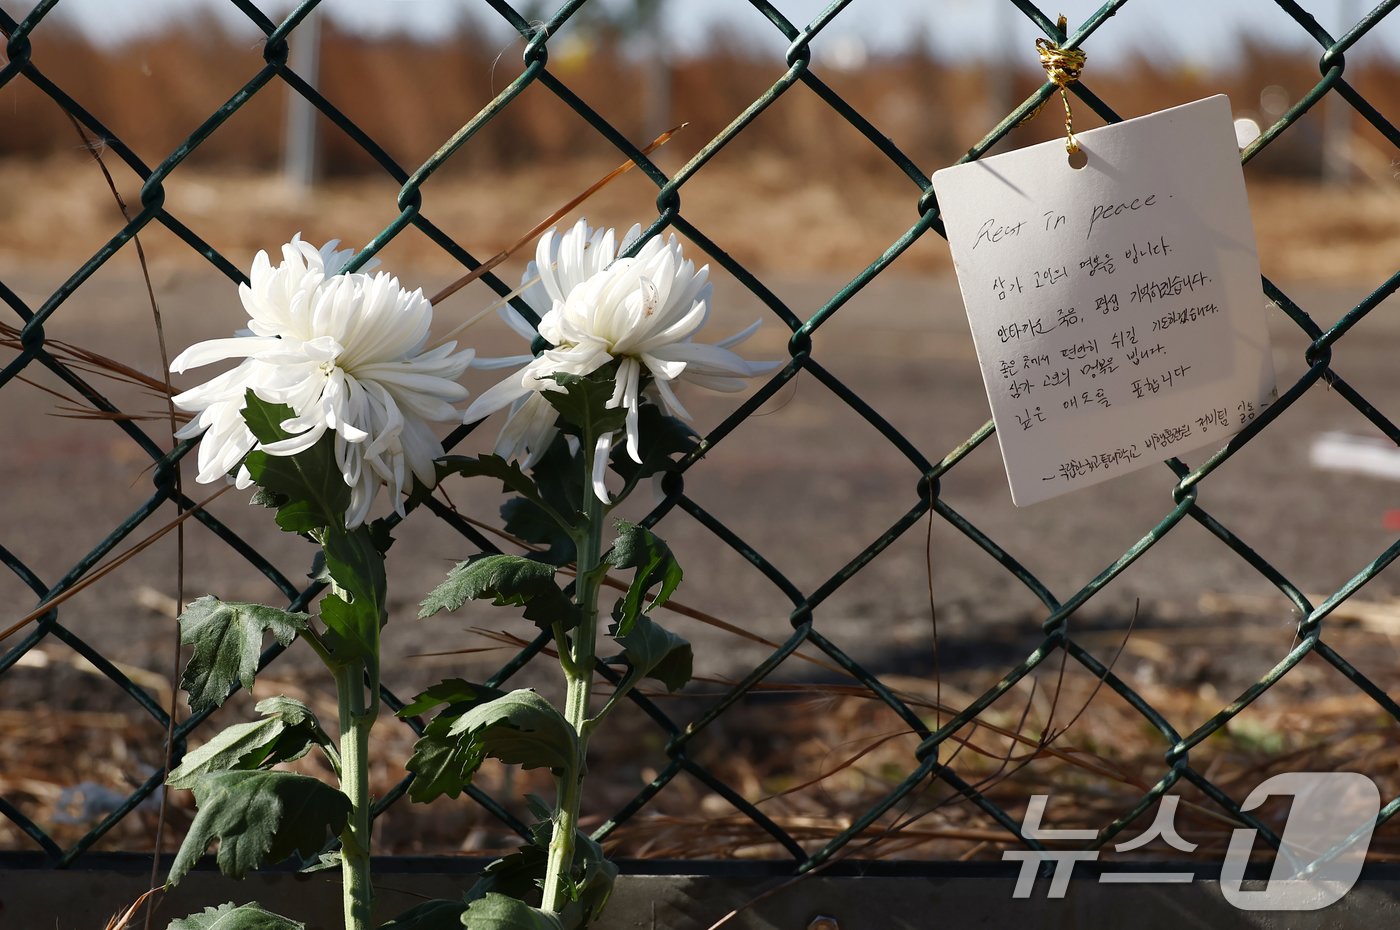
624 688
356 718
355 723
578 674
561 638
313 639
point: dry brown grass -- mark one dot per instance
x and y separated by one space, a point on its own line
815 755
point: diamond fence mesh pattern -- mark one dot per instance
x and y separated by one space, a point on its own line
929 763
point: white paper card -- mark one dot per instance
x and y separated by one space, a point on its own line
1116 308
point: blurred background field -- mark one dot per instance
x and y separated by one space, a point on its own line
802 200
799 191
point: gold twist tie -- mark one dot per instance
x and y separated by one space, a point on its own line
1062 67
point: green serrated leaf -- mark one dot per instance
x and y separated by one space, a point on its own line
349 635
511 476
295 516
235 917
265 419
448 691
302 731
538 807
494 911
227 638
583 404
381 532
227 750
520 728
259 818
262 497
323 862
315 492
356 566
507 580
356 563
430 915
504 579
638 547
443 763
659 439
287 732
287 709
535 515
556 475
520 875
655 652
525 519
593 881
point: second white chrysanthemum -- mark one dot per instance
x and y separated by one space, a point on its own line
641 312
346 353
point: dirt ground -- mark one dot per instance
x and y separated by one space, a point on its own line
804 482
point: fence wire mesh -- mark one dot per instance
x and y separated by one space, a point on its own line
930 768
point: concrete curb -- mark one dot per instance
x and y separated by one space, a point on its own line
695 895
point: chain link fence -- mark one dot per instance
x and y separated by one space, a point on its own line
929 773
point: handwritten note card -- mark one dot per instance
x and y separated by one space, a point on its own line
1115 307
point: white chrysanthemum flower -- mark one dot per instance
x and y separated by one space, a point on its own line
345 352
561 264
641 312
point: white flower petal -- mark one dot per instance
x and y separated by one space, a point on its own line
512 317
669 401
345 352
715 382
517 437
508 361
663 369
402 376
596 308
704 359
600 466
497 397
218 350
295 444
740 336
